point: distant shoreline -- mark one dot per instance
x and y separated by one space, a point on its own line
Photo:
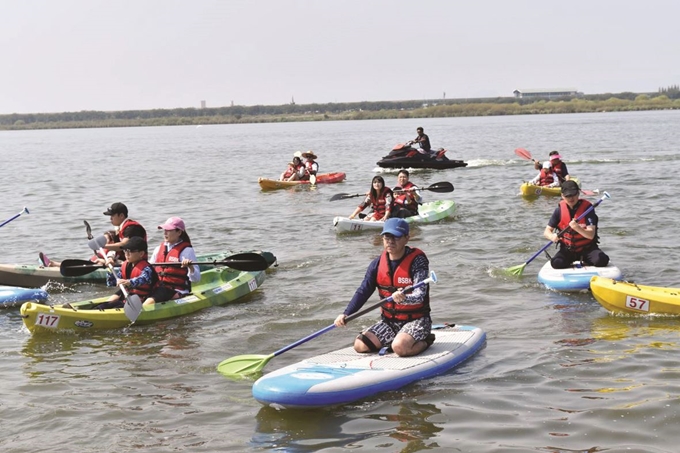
343 111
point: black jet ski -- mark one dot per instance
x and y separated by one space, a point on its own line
406 156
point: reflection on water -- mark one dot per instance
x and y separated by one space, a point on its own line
409 423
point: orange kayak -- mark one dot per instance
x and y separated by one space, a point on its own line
322 178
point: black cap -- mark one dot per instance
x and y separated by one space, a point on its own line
135 244
570 188
117 208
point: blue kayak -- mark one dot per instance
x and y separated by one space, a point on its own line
13 296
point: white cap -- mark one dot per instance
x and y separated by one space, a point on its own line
547 164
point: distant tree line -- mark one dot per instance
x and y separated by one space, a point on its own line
666 98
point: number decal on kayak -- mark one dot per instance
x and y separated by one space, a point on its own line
252 284
635 303
356 227
45 320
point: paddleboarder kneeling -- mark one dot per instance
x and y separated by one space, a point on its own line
579 240
405 323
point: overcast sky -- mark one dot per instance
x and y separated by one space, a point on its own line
72 55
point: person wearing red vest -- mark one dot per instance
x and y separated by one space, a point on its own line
406 196
134 273
381 200
579 240
559 167
126 228
289 173
174 282
546 177
311 166
405 324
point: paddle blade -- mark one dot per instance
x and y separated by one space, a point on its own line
88 230
440 187
516 270
339 196
76 268
248 262
312 179
133 307
524 154
243 365
97 243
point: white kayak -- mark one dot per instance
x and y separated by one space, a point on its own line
13 296
575 278
427 212
344 375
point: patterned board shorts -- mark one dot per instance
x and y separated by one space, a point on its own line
386 331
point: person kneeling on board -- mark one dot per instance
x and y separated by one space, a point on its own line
405 323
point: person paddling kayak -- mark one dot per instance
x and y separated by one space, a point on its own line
405 323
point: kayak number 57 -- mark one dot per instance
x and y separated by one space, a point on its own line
635 303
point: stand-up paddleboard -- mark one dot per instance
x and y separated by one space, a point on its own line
344 375
575 278
12 296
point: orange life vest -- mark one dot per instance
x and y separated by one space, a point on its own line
406 199
380 205
388 283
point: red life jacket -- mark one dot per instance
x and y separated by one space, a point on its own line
380 205
128 271
309 167
289 173
558 167
174 277
123 226
387 284
571 239
405 199
546 177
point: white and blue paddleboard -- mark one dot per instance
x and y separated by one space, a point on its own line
575 278
13 296
344 375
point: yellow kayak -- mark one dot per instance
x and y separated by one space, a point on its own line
530 190
630 298
218 286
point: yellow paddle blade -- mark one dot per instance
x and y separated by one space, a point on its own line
516 270
242 365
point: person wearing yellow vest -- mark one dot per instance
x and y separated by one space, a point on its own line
579 240
405 325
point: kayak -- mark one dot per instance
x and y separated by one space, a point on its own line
29 276
12 296
529 190
322 178
575 278
344 376
427 212
630 298
217 287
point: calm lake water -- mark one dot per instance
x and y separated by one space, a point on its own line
558 374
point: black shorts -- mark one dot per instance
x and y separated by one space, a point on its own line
163 293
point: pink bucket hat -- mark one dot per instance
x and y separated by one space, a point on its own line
173 223
555 156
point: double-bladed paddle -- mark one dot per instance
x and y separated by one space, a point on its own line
440 187
241 261
23 211
524 154
252 363
517 270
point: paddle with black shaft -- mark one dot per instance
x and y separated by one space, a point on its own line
439 187
252 363
517 270
249 262
524 154
23 211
